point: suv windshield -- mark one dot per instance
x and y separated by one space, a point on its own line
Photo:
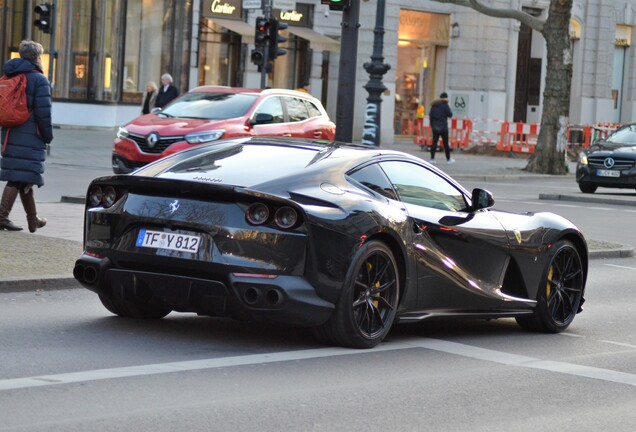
623 136
211 106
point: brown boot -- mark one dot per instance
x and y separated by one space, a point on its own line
28 202
6 204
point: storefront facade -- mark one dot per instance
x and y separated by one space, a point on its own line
106 51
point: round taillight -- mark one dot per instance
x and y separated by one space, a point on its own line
109 196
286 217
257 214
95 196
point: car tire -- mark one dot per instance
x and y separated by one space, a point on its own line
129 309
368 301
560 292
585 188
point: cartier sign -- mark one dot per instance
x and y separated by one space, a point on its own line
222 9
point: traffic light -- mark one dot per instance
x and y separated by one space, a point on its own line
257 57
337 5
275 38
44 17
261 36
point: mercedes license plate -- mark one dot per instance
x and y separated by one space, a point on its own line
170 241
608 173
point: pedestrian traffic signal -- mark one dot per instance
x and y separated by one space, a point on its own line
44 17
257 57
261 37
336 4
275 38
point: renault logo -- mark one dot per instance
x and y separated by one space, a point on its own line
609 162
152 139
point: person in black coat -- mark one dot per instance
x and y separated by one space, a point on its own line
167 91
24 146
439 114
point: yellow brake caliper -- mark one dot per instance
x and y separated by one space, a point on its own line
548 286
377 284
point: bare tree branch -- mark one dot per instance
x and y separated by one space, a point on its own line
529 20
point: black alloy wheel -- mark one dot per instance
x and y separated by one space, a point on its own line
130 309
368 303
560 293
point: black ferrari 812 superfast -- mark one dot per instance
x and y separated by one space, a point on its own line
345 239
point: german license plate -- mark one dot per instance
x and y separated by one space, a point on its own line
169 241
608 173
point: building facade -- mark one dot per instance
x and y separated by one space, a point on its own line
104 53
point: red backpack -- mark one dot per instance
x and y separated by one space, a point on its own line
13 101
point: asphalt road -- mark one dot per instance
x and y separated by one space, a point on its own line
69 365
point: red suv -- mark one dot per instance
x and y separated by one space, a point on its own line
210 113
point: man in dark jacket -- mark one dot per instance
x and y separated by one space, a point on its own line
439 115
167 91
24 146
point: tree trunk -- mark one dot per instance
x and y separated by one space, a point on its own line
550 152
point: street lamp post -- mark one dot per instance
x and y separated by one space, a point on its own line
376 69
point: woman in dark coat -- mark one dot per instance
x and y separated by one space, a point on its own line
24 146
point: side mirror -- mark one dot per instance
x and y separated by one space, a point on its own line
155 110
263 118
481 199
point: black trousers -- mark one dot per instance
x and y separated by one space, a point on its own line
436 136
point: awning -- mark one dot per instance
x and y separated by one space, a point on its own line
317 40
240 27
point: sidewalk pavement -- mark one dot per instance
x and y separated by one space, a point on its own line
44 260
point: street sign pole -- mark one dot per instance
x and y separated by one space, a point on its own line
347 73
267 13
52 44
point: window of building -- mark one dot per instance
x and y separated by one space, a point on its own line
219 55
106 51
421 65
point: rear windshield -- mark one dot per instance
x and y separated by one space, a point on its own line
212 106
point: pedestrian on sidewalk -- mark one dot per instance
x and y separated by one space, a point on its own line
24 146
439 114
149 97
167 91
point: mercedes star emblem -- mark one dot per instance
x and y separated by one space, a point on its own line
609 162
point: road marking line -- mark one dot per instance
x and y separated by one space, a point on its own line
426 343
620 266
619 344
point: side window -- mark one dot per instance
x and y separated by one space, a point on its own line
273 106
313 109
417 185
374 178
296 109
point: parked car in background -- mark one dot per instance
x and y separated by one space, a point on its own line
210 113
609 162
344 239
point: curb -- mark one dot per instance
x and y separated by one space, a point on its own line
44 283
627 201
51 283
73 199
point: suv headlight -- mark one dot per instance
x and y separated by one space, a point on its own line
122 133
203 137
582 158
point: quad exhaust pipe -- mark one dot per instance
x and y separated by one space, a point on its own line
257 297
86 274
